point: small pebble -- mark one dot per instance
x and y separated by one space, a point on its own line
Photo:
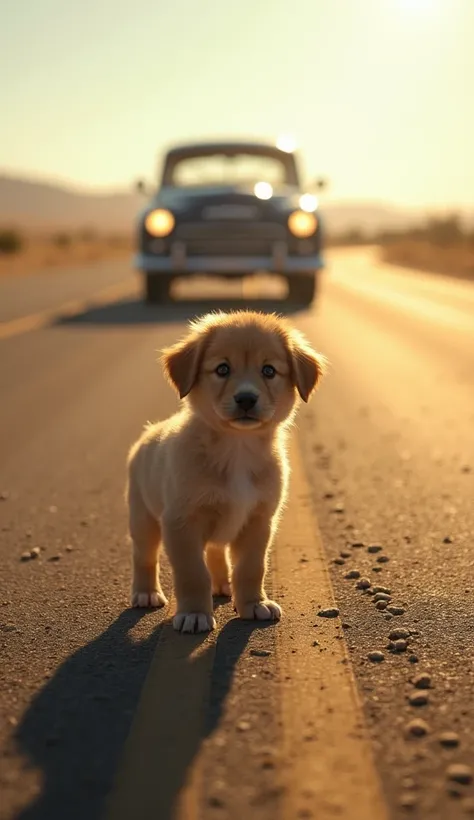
345 554
373 548
35 552
449 739
339 561
376 657
383 559
417 728
408 783
339 508
353 573
4 495
395 634
381 605
459 773
345 625
25 556
418 699
357 545
382 596
422 681
376 569
413 658
400 645
396 610
69 548
447 540
331 612
243 726
363 583
260 653
56 557
382 589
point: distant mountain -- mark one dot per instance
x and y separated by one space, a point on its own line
36 205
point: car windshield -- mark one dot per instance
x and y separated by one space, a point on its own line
222 169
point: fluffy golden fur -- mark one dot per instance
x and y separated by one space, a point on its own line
212 479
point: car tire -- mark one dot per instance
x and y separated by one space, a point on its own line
301 288
157 288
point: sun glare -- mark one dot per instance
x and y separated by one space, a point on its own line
416 5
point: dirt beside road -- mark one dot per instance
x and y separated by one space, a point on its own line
63 251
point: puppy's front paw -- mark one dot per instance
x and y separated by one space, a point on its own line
193 622
265 610
154 599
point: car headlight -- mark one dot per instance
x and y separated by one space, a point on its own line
302 224
159 222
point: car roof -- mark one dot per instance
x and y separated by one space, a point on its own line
217 147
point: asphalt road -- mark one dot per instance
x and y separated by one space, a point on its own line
104 711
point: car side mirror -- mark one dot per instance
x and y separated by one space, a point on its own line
320 184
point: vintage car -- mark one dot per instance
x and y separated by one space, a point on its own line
232 210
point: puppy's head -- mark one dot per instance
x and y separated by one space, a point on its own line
243 370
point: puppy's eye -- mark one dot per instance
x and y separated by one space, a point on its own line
268 371
222 370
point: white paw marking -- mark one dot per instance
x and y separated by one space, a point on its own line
154 599
193 622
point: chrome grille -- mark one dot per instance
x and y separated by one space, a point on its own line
229 238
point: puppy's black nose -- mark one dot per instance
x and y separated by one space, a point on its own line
245 401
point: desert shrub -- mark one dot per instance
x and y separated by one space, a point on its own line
88 235
11 241
62 240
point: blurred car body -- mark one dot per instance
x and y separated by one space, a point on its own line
230 209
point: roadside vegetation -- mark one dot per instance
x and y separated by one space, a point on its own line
25 252
441 245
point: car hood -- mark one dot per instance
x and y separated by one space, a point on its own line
182 199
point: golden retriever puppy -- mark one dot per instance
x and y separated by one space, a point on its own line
212 479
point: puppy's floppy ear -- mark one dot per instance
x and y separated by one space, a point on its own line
308 367
181 363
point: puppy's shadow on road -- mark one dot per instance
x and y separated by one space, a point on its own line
75 728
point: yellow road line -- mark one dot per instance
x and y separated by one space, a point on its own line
44 318
330 771
157 777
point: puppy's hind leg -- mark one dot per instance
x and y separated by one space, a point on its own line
145 533
217 564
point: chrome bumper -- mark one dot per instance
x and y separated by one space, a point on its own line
177 262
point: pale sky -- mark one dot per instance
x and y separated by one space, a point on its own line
379 94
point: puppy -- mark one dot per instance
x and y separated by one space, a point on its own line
213 478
